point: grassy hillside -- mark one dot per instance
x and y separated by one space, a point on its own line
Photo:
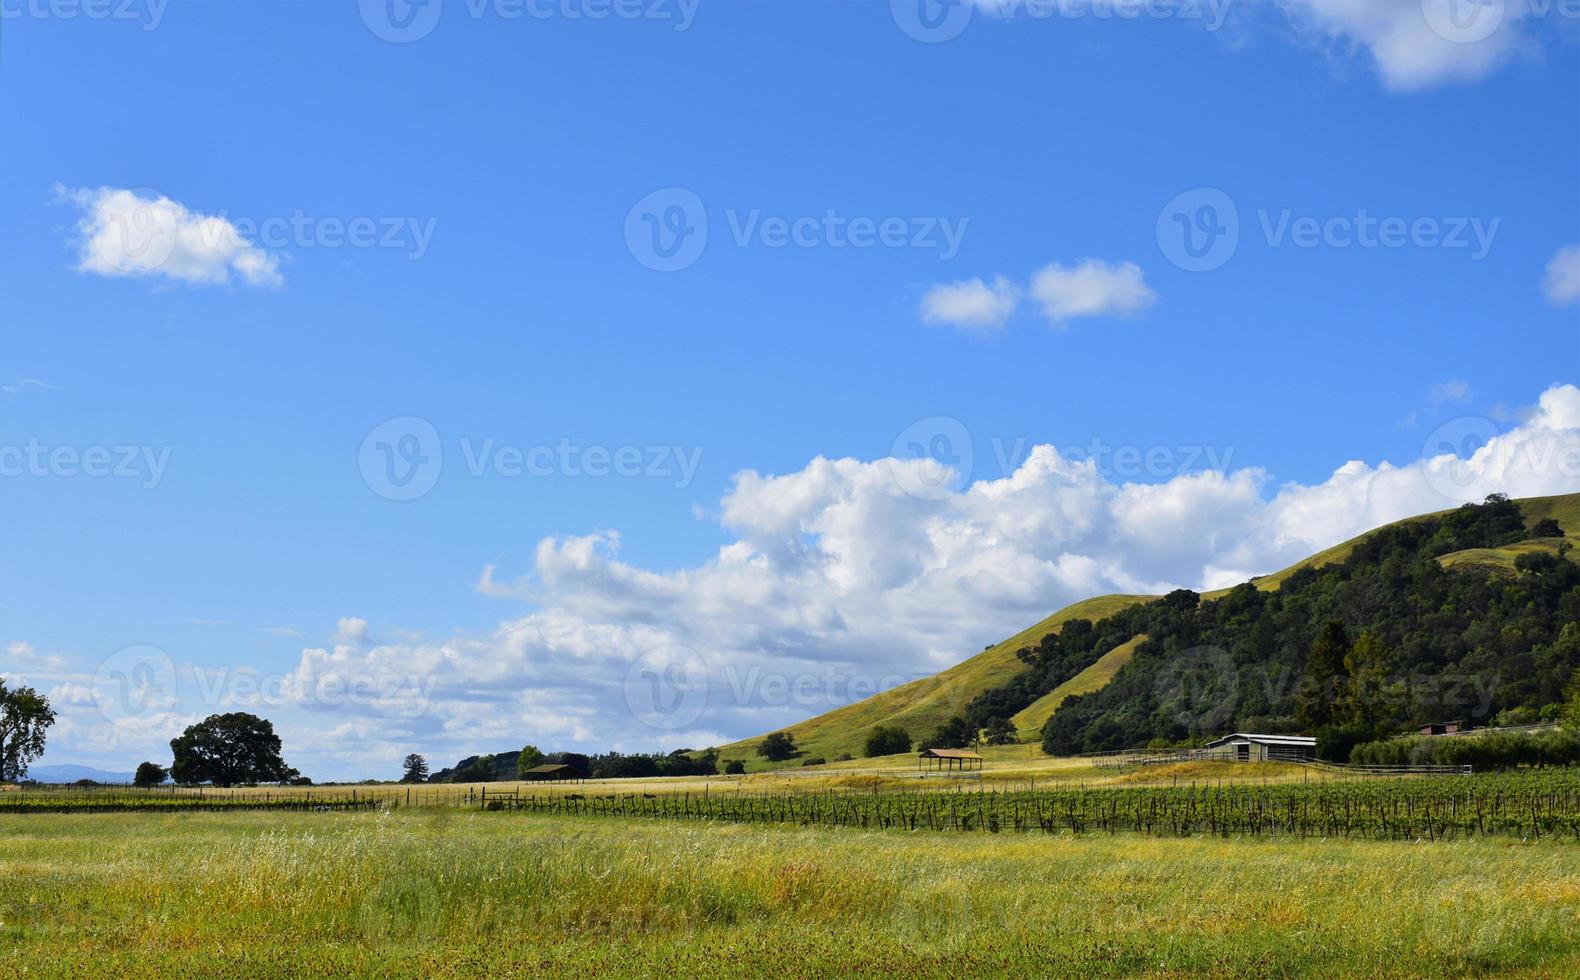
923 705
1565 510
1029 722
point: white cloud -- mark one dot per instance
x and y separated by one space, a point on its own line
127 233
1417 44
1562 286
836 581
971 303
1449 391
25 384
1091 287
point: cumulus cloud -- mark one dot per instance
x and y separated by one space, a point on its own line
837 582
1562 285
1418 44
126 233
972 303
1091 287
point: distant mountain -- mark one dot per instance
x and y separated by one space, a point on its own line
70 774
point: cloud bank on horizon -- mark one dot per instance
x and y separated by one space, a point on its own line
839 580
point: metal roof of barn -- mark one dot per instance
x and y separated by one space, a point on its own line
949 754
1292 740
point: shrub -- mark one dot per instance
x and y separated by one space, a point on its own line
817 761
735 767
887 740
1493 750
1336 742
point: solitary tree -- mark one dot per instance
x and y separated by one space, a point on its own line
1000 732
530 758
777 747
416 769
735 767
229 749
887 740
149 775
25 717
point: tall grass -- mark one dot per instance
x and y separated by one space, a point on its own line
450 893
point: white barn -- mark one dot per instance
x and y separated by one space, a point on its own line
1246 747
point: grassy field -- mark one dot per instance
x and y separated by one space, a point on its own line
442 893
1008 767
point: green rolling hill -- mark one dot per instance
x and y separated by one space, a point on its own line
922 705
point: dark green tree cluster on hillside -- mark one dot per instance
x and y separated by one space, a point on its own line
887 740
1383 640
778 747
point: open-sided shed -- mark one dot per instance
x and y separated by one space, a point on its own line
961 759
554 771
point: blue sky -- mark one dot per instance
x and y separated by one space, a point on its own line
1028 170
